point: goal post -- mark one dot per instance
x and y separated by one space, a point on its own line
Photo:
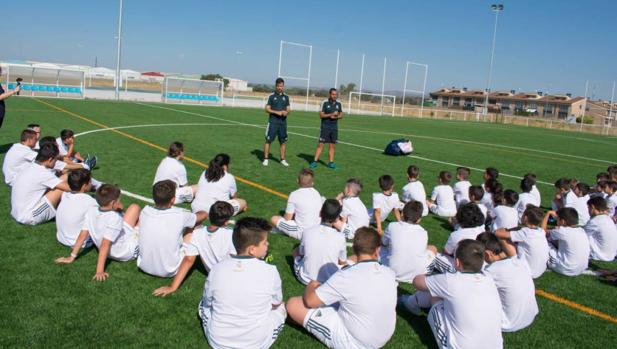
294 70
371 103
48 82
177 90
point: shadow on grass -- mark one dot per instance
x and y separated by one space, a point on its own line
4 148
419 323
259 154
309 158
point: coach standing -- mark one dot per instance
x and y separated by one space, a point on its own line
278 109
331 112
4 95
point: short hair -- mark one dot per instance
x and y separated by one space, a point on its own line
469 216
612 185
463 172
612 169
47 151
598 202
305 178
249 231
66 134
413 171
510 197
531 176
490 242
366 241
492 186
583 188
386 182
279 81
27 135
534 214
331 90
568 215
107 193
355 186
602 176
492 172
175 149
330 211
470 254
476 192
220 212
563 183
527 184
163 191
78 178
412 211
31 126
445 177
48 140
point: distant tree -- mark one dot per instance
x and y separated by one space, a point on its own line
344 90
215 77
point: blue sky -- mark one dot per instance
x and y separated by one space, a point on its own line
552 46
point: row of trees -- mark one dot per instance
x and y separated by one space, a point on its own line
215 77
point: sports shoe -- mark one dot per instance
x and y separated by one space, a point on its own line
332 165
409 304
284 163
265 163
91 161
313 164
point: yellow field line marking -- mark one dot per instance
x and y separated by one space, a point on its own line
577 306
156 146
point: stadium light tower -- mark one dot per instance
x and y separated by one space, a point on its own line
496 8
117 92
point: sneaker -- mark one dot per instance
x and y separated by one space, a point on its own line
313 164
91 161
409 304
265 163
284 163
332 165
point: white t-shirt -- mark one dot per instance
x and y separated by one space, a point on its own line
443 196
569 198
305 204
516 291
62 148
531 247
525 199
211 246
472 309
505 217
536 194
28 189
173 170
366 294
16 159
483 209
355 211
573 249
210 192
321 247
611 202
70 216
386 203
404 250
414 191
160 239
602 234
487 199
461 192
459 235
580 205
240 292
109 225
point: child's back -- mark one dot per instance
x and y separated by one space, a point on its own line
171 169
532 247
355 211
209 192
321 249
443 196
572 255
461 192
505 217
213 245
70 216
405 250
525 199
109 225
602 234
386 203
414 191
305 204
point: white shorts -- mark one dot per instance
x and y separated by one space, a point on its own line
42 212
404 273
437 321
290 228
442 264
132 241
441 212
184 194
556 264
276 317
298 265
326 325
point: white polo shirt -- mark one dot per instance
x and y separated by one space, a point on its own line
173 170
602 234
459 235
611 202
355 211
536 194
305 204
210 192
580 205
70 216
386 203
321 247
28 189
404 250
525 199
505 217
414 191
212 246
461 192
109 225
16 159
62 148
573 249
443 196
531 247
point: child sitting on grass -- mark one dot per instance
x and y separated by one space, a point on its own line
354 214
442 199
601 231
385 202
569 248
414 190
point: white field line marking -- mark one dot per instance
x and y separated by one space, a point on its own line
147 125
137 196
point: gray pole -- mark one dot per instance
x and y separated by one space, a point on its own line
117 94
496 9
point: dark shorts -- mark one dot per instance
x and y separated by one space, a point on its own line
328 135
276 129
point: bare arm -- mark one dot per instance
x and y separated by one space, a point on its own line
419 283
201 217
377 214
502 233
270 111
83 235
101 275
185 267
397 214
8 94
64 186
310 298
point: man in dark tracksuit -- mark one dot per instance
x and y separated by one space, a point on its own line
4 95
331 112
277 109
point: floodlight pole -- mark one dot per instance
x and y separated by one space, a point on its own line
280 57
117 92
496 9
383 84
580 127
610 109
404 87
338 55
361 81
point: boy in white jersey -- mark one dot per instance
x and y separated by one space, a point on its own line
73 208
601 231
112 230
19 156
476 193
385 202
302 209
563 194
528 243
162 231
405 246
534 188
442 199
217 184
37 129
322 250
212 243
68 154
461 187
465 306
526 198
610 189
354 214
569 248
172 168
242 304
62 167
505 214
355 308
514 283
581 190
36 191
414 190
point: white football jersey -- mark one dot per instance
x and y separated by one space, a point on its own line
16 159
109 225
525 199
386 203
611 202
461 192
580 205
355 211
210 192
602 234
212 246
29 187
505 217
173 170
62 148
573 250
305 204
459 235
321 247
404 250
414 191
70 216
536 194
532 247
443 196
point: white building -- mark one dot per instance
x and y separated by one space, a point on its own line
238 85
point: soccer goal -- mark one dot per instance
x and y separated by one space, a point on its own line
192 91
371 103
50 82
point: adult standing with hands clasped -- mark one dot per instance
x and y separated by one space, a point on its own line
4 95
331 112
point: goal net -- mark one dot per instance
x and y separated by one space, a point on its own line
371 103
44 81
192 91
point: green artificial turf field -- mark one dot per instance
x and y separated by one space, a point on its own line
48 305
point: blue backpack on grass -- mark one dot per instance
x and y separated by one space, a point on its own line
399 147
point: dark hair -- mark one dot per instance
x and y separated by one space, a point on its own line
445 177
215 169
568 215
412 211
355 185
305 177
534 214
175 149
66 134
469 216
163 192
413 171
492 172
602 176
490 242
476 192
493 186
463 172
386 182
27 135
612 169
330 211
31 126
220 212
279 81
531 176
332 89
612 185
107 193
48 140
249 231
78 178
563 183
47 151
583 188
498 198
527 184
366 241
470 254
598 202
510 197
